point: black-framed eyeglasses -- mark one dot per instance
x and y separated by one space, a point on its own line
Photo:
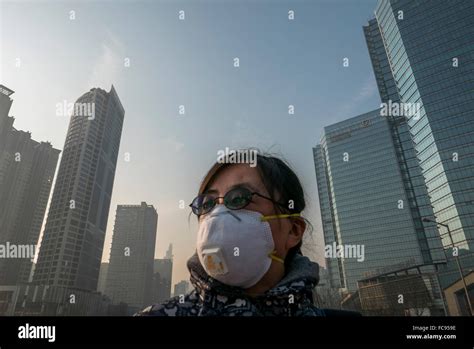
235 199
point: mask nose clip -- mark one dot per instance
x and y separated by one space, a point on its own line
216 213
234 215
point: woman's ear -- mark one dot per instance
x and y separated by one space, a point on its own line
298 227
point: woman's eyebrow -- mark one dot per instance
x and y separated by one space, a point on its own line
244 184
210 191
238 185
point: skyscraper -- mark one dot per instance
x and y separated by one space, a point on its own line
73 240
422 53
365 202
26 174
130 272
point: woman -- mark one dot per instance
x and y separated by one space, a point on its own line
248 260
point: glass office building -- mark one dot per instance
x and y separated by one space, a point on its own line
368 200
422 52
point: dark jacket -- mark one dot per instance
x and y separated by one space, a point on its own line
292 296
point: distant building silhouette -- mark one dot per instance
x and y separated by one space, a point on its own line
162 276
181 288
130 271
26 175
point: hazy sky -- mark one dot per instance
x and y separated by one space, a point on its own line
48 58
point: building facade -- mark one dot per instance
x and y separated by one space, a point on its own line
162 276
422 53
181 288
27 170
104 269
423 153
130 271
365 202
73 240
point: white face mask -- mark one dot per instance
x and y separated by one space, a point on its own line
236 246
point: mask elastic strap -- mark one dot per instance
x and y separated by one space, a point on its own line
273 256
266 218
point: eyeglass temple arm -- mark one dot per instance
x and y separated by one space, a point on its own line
275 202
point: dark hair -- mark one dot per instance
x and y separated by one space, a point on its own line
281 183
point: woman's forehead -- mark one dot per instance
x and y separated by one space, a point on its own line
235 175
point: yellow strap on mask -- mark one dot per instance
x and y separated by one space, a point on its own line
275 257
266 218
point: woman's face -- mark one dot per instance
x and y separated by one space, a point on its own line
286 233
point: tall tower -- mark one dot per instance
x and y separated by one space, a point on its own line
422 53
73 240
364 201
